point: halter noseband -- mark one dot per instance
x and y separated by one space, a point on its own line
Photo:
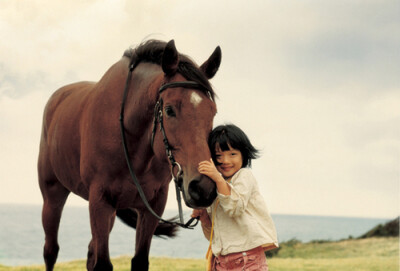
158 117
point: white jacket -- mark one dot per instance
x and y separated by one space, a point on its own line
242 221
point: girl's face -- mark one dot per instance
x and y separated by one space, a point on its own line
229 162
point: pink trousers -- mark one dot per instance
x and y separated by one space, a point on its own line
253 259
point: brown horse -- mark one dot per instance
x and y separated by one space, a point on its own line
81 147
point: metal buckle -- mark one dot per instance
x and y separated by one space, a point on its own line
179 173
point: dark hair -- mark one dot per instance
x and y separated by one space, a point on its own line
231 135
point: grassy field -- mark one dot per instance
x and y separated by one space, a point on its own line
372 254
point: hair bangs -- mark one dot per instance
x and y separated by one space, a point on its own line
222 142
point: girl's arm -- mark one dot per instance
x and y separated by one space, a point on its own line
235 197
205 221
208 168
241 191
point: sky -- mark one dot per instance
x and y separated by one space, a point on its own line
314 84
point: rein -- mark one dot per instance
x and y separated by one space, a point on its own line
158 117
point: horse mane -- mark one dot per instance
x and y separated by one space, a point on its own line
152 51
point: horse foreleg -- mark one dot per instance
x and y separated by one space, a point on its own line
90 257
146 225
145 228
102 217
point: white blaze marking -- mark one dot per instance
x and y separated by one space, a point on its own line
195 99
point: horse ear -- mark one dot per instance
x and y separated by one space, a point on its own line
210 67
170 59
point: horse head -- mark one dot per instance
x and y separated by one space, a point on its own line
186 115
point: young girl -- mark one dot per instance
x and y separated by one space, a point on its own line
238 222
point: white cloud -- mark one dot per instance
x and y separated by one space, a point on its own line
315 86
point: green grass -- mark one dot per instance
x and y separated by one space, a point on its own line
122 263
372 254
362 254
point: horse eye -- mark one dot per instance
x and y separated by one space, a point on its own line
170 112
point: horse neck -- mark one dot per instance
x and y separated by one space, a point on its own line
142 98
139 114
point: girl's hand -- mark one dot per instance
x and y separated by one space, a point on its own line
204 218
208 168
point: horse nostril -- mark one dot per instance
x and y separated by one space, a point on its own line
194 190
202 192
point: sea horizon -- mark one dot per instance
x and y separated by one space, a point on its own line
22 236
186 209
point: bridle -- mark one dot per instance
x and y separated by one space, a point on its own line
158 118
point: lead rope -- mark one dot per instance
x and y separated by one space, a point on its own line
209 254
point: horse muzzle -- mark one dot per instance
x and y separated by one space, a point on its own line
200 193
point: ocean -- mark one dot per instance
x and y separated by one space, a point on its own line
22 237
